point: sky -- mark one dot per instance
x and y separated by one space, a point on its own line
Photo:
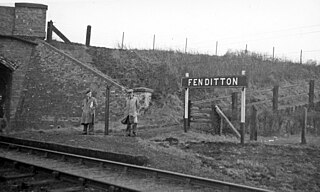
195 26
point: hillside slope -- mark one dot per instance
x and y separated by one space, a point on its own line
163 70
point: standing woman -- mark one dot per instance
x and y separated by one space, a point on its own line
132 107
88 113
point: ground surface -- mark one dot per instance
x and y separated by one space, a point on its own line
279 164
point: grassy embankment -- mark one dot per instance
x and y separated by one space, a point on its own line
163 70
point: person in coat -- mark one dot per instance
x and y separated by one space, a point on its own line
132 107
88 113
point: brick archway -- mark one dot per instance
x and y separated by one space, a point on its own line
6 69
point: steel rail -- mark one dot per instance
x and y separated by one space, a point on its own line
226 186
66 176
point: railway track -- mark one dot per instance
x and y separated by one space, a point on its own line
94 174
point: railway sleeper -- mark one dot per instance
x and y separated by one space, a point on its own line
40 182
6 170
68 189
15 176
31 185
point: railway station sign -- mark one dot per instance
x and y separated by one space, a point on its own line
207 82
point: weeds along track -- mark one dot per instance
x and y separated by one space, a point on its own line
99 174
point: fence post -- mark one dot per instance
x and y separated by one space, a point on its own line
213 120
253 122
275 98
154 41
304 127
88 36
106 113
311 94
122 40
234 106
49 31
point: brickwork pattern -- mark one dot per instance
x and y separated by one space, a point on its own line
26 19
48 87
20 53
30 22
55 87
6 20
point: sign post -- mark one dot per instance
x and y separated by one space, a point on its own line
211 82
243 111
186 102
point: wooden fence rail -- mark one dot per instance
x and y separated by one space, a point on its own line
209 114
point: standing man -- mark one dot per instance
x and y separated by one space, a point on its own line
88 113
132 107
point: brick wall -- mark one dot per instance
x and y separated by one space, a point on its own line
19 52
54 88
30 20
6 20
25 19
48 86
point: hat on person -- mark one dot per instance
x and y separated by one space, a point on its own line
88 91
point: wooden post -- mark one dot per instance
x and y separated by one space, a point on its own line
311 94
253 122
88 36
216 48
213 119
234 106
185 48
60 34
154 41
221 126
122 40
275 98
49 31
304 127
273 54
246 51
106 113
222 115
275 105
243 111
186 102
301 56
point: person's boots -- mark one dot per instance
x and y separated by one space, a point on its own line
134 129
128 130
91 127
85 129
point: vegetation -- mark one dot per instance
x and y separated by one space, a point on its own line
276 163
162 71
